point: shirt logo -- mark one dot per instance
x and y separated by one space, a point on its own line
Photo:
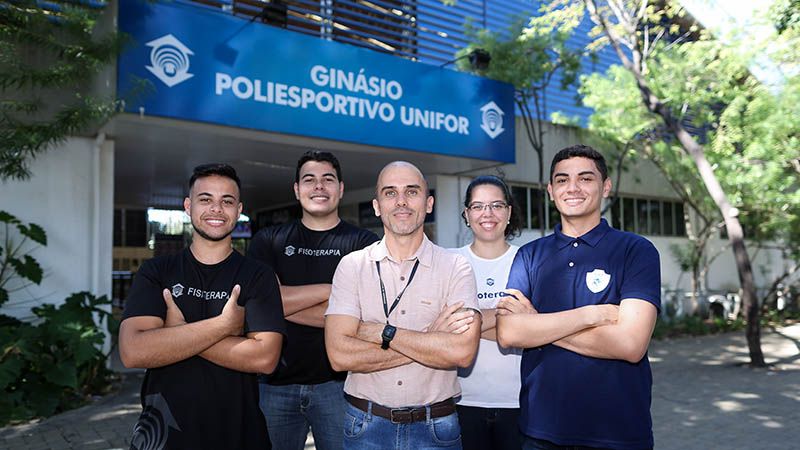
291 250
490 281
597 280
169 60
177 290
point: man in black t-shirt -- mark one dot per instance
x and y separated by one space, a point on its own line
304 390
203 322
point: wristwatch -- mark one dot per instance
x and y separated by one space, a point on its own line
387 335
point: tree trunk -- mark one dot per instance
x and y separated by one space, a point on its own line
735 236
729 214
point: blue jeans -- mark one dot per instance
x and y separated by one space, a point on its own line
365 431
291 409
489 428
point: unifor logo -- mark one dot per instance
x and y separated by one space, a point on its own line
169 60
177 290
490 281
492 119
289 250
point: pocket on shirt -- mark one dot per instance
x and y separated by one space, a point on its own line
426 312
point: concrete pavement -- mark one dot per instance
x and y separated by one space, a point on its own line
703 398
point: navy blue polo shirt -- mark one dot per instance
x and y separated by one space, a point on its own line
567 398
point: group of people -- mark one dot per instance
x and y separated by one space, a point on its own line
395 342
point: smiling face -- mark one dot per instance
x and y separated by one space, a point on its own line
214 207
402 199
578 189
318 189
488 224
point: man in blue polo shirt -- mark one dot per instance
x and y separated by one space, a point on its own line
594 296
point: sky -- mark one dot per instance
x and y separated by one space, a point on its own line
718 13
723 15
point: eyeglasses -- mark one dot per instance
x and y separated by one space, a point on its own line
495 206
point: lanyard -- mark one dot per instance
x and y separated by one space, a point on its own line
386 309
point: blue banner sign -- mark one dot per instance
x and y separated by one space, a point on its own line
210 67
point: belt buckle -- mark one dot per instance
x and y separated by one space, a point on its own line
400 415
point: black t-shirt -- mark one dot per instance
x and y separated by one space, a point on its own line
303 256
195 403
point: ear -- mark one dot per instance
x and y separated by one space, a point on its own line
239 211
187 206
376 207
429 206
550 190
606 187
341 189
296 192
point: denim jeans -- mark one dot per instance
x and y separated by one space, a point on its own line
291 409
489 428
365 431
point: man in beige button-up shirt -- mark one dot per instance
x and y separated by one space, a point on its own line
402 368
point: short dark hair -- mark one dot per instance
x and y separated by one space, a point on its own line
583 151
219 169
319 156
514 226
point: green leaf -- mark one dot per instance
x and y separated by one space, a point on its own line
35 233
63 373
10 370
8 218
44 399
29 268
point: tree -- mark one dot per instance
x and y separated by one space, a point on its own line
620 118
531 58
705 102
49 50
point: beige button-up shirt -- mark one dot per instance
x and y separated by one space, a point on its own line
442 278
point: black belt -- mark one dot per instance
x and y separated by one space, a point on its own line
404 415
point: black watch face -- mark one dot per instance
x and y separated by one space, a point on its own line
388 332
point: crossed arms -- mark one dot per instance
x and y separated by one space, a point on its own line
600 331
150 342
450 341
305 304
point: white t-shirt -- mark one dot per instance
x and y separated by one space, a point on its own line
493 380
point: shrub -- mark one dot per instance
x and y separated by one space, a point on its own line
57 364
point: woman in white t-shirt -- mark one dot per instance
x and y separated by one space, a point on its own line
488 410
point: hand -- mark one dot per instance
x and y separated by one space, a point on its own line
453 319
174 314
514 302
233 314
605 314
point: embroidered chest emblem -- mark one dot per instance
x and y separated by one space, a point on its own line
490 281
597 280
289 250
177 290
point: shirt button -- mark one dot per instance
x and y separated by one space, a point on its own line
575 244
402 278
400 383
402 311
571 263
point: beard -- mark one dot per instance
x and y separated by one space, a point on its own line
208 237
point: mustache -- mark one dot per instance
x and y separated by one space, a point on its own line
403 210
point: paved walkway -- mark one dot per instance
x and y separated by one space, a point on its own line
703 398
